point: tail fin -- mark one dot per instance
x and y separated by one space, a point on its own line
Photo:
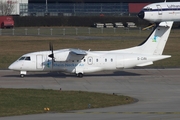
156 42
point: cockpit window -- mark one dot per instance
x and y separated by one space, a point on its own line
148 9
22 58
25 58
28 58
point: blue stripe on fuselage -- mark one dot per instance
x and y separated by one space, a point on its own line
164 9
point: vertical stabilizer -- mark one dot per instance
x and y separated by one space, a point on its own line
155 43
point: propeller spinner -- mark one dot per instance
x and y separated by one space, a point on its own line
52 54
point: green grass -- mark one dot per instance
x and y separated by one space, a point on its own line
12 47
30 101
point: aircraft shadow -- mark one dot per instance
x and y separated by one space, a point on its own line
117 73
40 74
64 75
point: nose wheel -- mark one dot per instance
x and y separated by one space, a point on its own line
79 75
22 75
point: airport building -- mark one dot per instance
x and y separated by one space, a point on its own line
76 7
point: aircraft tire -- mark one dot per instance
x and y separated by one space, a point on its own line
80 75
22 75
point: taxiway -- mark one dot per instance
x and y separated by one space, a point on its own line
157 91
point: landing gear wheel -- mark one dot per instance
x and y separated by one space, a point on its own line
80 75
22 75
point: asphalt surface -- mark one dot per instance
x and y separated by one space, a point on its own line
157 92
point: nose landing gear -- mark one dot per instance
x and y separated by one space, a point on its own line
22 73
79 75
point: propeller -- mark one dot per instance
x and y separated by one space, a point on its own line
52 53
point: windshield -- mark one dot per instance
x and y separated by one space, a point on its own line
25 58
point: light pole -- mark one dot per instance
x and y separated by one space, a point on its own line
46 6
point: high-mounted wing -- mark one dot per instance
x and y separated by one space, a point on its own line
78 51
76 54
69 54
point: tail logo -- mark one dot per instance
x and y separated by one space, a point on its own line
155 39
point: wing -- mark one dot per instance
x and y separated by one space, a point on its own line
69 54
76 54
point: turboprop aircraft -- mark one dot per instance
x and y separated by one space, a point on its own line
160 12
81 62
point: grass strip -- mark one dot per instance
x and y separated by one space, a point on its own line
32 101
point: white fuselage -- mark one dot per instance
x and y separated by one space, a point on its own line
80 61
160 12
92 62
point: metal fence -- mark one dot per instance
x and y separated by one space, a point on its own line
74 9
58 31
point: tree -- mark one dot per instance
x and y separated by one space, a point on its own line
6 7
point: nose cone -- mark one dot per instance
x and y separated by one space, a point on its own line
141 14
14 66
11 67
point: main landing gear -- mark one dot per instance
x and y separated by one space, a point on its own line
79 75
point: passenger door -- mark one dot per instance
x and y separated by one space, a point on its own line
39 61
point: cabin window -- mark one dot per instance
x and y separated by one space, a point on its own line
96 60
84 60
111 60
148 9
105 60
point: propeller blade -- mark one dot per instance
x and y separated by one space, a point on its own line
52 53
51 49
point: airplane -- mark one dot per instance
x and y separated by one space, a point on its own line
161 12
80 62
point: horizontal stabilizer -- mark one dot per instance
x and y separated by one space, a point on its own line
153 58
144 64
164 24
